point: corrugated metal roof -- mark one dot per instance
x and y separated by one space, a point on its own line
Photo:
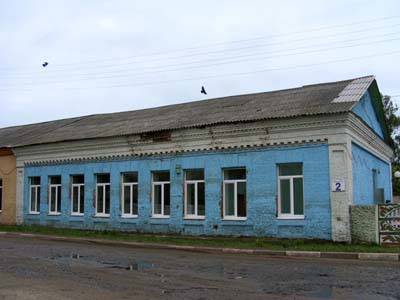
325 98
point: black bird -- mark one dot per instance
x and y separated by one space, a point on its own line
203 90
45 64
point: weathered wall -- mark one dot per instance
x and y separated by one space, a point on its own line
261 192
364 163
365 110
364 224
8 175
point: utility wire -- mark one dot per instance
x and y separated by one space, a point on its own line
228 60
238 73
237 41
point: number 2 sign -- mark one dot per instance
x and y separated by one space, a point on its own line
338 186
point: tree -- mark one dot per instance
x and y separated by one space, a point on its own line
393 124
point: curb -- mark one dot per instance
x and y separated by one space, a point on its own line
259 252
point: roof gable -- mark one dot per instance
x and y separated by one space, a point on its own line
366 111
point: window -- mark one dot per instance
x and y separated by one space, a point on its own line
234 194
78 195
1 194
290 191
34 195
194 194
54 195
129 194
103 195
160 194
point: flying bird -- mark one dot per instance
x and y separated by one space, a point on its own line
45 64
203 90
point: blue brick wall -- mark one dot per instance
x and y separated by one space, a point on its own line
261 193
364 163
365 110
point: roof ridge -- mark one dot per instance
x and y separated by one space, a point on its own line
79 118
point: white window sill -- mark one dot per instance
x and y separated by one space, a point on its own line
34 213
290 217
77 215
129 216
194 218
160 217
101 216
54 214
234 219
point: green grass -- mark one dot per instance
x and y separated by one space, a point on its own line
216 241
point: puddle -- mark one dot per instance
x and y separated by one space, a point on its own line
92 260
138 266
342 293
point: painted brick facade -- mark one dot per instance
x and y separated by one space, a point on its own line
365 110
261 166
364 164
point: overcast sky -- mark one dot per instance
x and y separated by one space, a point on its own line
107 56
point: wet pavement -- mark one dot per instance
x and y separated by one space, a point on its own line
39 269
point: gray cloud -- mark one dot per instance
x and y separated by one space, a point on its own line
66 32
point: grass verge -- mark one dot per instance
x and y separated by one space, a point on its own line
214 241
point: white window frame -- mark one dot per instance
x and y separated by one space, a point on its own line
37 200
196 206
103 185
290 215
57 186
160 183
130 185
1 194
79 186
235 182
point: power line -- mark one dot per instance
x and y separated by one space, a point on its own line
251 57
234 41
240 73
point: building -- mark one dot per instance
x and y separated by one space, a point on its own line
7 186
285 163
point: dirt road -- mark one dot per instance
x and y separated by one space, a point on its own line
38 269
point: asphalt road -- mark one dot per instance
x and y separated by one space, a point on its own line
38 269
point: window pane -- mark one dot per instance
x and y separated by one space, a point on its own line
35 180
82 203
231 174
58 198
75 195
291 169
53 192
201 199
33 198
241 199
103 178
190 199
55 179
298 196
285 196
127 199
99 204
78 179
130 177
196 174
229 199
107 199
37 199
166 200
161 176
157 199
135 199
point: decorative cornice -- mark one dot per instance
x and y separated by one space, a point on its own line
262 134
156 154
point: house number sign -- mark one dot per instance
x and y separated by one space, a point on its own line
338 186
